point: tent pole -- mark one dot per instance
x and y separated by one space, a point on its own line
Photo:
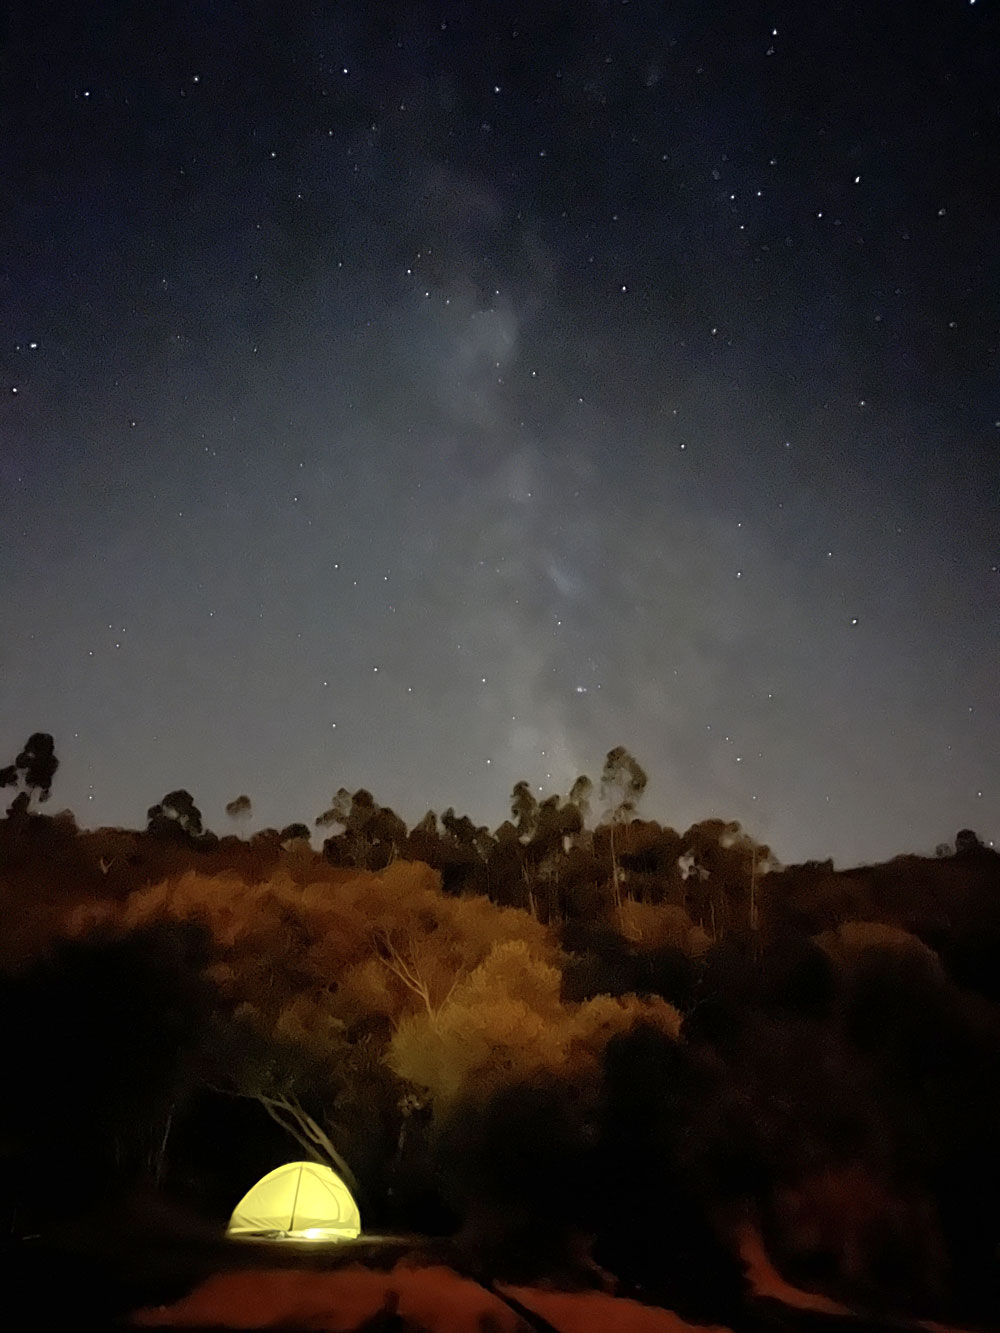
295 1200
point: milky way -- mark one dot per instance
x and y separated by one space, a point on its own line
432 400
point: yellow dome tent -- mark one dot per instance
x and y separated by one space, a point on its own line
297 1201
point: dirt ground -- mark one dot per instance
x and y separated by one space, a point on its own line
100 1282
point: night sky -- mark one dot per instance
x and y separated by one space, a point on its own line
428 396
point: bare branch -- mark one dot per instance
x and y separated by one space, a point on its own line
405 969
289 1113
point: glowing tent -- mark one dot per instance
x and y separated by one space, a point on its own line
298 1201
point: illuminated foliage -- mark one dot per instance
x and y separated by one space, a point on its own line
506 1022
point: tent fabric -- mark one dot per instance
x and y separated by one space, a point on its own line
297 1201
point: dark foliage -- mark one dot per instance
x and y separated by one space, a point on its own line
34 770
518 1171
653 1227
102 1050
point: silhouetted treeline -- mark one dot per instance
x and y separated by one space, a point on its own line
585 1044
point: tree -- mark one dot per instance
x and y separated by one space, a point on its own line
111 1025
459 827
34 768
372 834
967 842
556 824
506 1020
386 834
524 808
423 841
723 867
292 832
623 780
338 811
580 794
245 1059
241 808
175 814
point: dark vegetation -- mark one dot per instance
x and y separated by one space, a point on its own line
582 1041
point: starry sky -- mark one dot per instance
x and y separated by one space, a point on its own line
429 396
